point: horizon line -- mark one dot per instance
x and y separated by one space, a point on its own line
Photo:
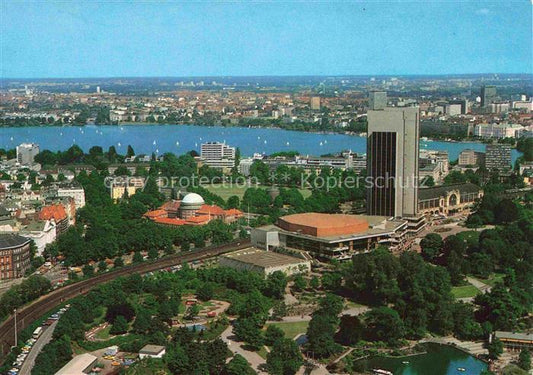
273 76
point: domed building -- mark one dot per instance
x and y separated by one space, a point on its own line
190 205
191 210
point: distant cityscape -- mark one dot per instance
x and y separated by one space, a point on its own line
495 106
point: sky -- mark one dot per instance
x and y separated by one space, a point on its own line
115 38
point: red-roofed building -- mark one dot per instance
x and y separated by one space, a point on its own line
232 215
214 211
58 214
169 221
198 220
191 211
156 214
172 208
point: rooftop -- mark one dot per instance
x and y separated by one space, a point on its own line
261 258
170 206
440 191
77 365
155 214
11 240
210 210
152 349
56 212
169 221
514 336
377 226
192 199
320 225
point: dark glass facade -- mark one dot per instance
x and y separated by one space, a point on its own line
381 151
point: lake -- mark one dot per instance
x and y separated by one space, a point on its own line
179 139
439 360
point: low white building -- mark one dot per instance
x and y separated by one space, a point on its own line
264 262
41 232
498 130
152 351
79 365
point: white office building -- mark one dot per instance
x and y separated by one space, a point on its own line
26 153
218 155
498 130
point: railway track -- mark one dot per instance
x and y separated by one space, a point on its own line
29 313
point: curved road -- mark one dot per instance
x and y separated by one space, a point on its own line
44 339
29 313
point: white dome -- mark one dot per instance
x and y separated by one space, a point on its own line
192 199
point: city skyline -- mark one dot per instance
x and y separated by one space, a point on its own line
263 39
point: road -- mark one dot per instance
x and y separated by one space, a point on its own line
255 360
44 339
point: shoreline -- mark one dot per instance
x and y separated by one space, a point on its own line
330 132
405 358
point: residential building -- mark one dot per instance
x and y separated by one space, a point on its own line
463 103
119 186
453 109
432 170
75 192
14 256
56 213
497 156
245 165
433 164
500 107
315 103
264 262
392 161
472 158
7 222
498 130
42 232
526 106
26 153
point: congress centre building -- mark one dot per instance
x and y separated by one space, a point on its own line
332 236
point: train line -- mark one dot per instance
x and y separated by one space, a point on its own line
29 313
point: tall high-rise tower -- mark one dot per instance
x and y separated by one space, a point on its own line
488 94
392 161
377 100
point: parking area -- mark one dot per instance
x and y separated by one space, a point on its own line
24 362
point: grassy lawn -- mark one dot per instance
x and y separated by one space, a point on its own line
154 367
464 291
292 329
226 191
207 304
469 235
262 352
493 279
103 334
